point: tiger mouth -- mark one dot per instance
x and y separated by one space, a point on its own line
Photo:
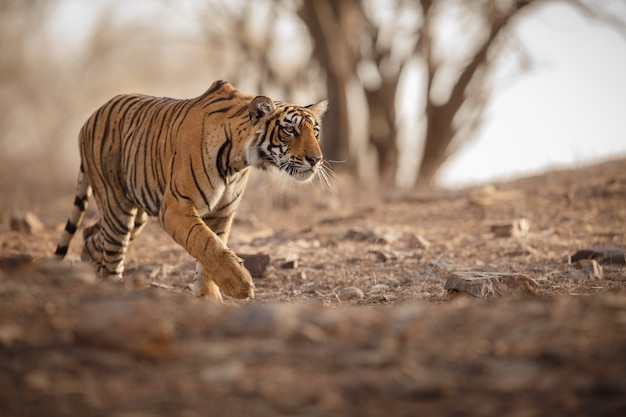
300 174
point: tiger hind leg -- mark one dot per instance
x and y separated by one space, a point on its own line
106 242
141 218
92 244
204 286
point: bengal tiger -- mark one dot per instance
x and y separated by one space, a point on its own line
186 162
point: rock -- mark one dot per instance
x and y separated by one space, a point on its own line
417 241
516 228
290 264
131 325
387 236
602 254
256 263
358 234
351 294
384 255
591 267
373 236
379 288
28 223
489 284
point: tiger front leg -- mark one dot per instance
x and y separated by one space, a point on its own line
219 266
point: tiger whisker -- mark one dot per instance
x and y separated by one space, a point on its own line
327 177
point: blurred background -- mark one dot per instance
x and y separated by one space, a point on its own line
448 92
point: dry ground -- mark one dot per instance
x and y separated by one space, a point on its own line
351 316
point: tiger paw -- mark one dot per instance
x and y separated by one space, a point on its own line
232 277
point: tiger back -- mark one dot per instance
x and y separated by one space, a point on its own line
186 162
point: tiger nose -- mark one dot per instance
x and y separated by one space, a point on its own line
313 160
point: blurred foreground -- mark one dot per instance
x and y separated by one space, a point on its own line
351 315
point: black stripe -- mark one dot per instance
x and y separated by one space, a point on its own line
189 234
80 202
239 112
216 86
222 110
112 253
61 250
197 184
237 197
70 227
223 155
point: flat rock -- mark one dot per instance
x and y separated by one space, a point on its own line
26 223
351 294
491 284
590 267
387 236
255 263
515 228
290 263
602 254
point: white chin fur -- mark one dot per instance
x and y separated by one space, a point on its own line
303 176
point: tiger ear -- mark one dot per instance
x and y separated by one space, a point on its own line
318 108
260 107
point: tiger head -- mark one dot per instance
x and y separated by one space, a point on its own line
286 137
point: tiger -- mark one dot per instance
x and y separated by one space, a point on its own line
185 162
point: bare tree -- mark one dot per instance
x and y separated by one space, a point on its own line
470 86
348 36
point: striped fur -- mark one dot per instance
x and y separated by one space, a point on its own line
186 162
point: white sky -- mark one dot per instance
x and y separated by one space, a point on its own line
568 110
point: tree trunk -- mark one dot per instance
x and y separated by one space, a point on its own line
383 128
439 134
328 30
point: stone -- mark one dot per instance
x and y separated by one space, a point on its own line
351 294
591 267
491 284
27 223
516 228
290 264
417 241
602 254
384 255
379 288
358 234
255 263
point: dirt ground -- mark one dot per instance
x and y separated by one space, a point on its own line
351 316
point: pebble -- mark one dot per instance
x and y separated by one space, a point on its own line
255 263
484 284
26 223
351 294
